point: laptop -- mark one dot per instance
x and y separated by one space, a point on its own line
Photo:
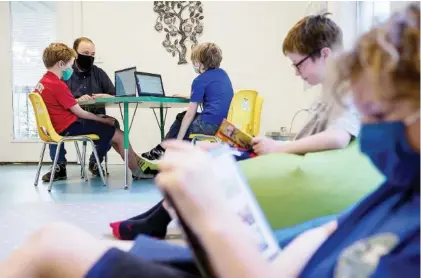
125 83
150 84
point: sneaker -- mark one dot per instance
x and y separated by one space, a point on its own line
93 168
60 173
154 154
143 176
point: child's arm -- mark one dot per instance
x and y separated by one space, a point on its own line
326 140
330 139
187 120
78 111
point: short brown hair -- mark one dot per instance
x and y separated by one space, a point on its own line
311 34
56 52
79 40
209 54
390 52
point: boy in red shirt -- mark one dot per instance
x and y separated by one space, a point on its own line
68 118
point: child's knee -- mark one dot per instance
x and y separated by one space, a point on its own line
49 239
118 136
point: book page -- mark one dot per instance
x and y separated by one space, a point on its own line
242 201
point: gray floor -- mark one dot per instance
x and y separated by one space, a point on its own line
24 208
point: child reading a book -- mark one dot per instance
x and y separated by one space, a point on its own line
309 45
67 117
212 88
379 238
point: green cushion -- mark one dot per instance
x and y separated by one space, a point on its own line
292 189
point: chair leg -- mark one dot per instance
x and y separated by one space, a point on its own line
82 168
53 170
41 158
106 165
82 164
97 161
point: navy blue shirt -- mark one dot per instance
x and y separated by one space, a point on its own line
380 238
214 90
95 81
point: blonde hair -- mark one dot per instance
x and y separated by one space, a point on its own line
389 54
208 54
56 52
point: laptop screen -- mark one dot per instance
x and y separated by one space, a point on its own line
125 83
149 84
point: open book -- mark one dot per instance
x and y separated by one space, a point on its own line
233 136
240 199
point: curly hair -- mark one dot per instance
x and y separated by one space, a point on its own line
389 54
209 54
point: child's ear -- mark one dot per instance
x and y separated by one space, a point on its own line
325 52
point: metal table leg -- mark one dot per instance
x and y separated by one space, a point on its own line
162 123
126 144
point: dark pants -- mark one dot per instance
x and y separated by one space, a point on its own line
63 152
118 264
154 258
196 127
83 127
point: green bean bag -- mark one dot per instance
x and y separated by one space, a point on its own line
292 189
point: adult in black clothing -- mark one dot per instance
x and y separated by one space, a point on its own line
87 81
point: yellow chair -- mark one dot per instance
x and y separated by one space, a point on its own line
245 112
49 136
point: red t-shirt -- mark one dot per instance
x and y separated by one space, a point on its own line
58 99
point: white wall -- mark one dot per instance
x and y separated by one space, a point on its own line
249 33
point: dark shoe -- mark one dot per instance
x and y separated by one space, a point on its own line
60 173
154 154
93 168
143 176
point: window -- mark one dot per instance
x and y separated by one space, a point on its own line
370 13
33 28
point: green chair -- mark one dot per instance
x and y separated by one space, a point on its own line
292 189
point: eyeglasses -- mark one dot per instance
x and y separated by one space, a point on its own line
297 65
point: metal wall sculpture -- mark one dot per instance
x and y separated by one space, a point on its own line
182 23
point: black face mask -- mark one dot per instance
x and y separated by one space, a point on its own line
85 62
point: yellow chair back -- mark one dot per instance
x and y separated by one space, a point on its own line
246 110
45 128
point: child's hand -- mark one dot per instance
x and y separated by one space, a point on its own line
108 121
264 145
187 174
180 96
85 98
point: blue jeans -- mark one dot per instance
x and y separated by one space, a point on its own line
196 127
62 154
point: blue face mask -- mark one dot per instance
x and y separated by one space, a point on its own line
67 73
388 148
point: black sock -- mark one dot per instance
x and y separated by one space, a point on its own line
160 148
155 225
146 213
